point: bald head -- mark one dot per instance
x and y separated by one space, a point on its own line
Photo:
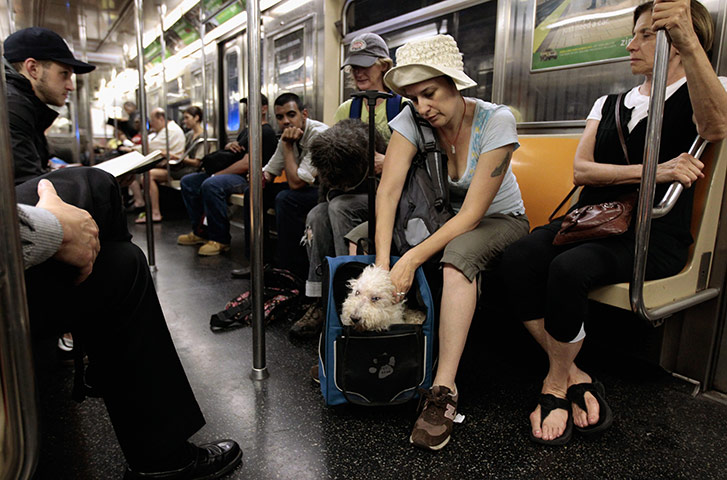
157 119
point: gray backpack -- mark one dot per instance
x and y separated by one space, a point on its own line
424 205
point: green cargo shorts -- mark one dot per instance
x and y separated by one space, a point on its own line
473 251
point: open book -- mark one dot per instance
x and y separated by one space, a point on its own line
129 162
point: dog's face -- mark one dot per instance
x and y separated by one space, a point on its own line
370 305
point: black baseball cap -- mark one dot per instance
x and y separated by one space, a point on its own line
42 44
263 100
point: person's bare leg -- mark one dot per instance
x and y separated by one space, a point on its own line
156 176
135 187
459 298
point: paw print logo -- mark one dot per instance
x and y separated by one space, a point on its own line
383 366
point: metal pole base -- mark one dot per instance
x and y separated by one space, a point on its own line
259 373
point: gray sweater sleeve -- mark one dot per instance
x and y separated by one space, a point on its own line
40 234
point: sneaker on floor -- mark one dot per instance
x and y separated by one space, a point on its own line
212 248
190 239
314 374
433 428
310 323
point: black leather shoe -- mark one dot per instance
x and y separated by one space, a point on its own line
211 460
243 272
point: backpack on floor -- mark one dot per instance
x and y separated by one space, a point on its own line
281 295
372 368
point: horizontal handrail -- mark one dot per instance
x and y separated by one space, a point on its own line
675 189
194 145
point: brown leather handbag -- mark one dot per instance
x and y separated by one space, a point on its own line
592 222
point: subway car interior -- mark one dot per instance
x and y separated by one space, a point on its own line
663 361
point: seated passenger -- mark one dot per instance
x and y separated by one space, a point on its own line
205 195
547 286
330 220
192 119
479 138
38 71
84 274
294 198
157 141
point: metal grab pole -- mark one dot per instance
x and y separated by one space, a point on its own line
139 8
648 175
85 98
165 102
20 432
204 79
255 133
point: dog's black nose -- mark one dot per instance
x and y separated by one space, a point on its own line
355 319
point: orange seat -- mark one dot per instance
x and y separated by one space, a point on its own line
543 166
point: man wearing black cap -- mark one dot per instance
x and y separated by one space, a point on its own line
83 274
38 70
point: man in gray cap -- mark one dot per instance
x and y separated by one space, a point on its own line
38 70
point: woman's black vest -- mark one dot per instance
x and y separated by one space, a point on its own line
678 134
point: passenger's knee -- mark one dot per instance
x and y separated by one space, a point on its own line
316 217
563 271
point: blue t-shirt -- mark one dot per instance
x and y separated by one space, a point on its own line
493 126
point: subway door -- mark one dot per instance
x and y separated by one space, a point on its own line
232 88
291 61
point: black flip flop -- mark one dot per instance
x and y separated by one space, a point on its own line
576 394
548 403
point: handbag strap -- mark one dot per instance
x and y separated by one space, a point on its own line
623 146
620 128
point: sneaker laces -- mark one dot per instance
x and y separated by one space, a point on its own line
438 403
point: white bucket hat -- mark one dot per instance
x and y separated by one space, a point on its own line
427 58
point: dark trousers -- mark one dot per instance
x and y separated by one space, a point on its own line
291 209
116 316
541 280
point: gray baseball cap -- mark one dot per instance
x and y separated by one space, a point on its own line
365 50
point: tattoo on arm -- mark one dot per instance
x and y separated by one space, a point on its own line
500 169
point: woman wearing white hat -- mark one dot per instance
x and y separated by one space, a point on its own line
478 138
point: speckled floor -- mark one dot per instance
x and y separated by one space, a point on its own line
286 431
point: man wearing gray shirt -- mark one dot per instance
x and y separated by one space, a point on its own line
293 157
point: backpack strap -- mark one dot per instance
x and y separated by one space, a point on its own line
434 158
393 106
356 107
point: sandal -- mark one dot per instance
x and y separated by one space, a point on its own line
548 403
576 394
142 218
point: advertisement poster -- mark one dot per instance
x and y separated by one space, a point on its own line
577 32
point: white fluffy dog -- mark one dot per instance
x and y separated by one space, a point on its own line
371 303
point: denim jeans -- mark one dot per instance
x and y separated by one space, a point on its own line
291 208
326 225
206 196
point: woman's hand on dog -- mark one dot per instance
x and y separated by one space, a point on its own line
402 276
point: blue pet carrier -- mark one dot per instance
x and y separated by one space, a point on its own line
373 368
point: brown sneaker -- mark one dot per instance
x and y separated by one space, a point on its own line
310 323
433 428
212 248
314 375
190 239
